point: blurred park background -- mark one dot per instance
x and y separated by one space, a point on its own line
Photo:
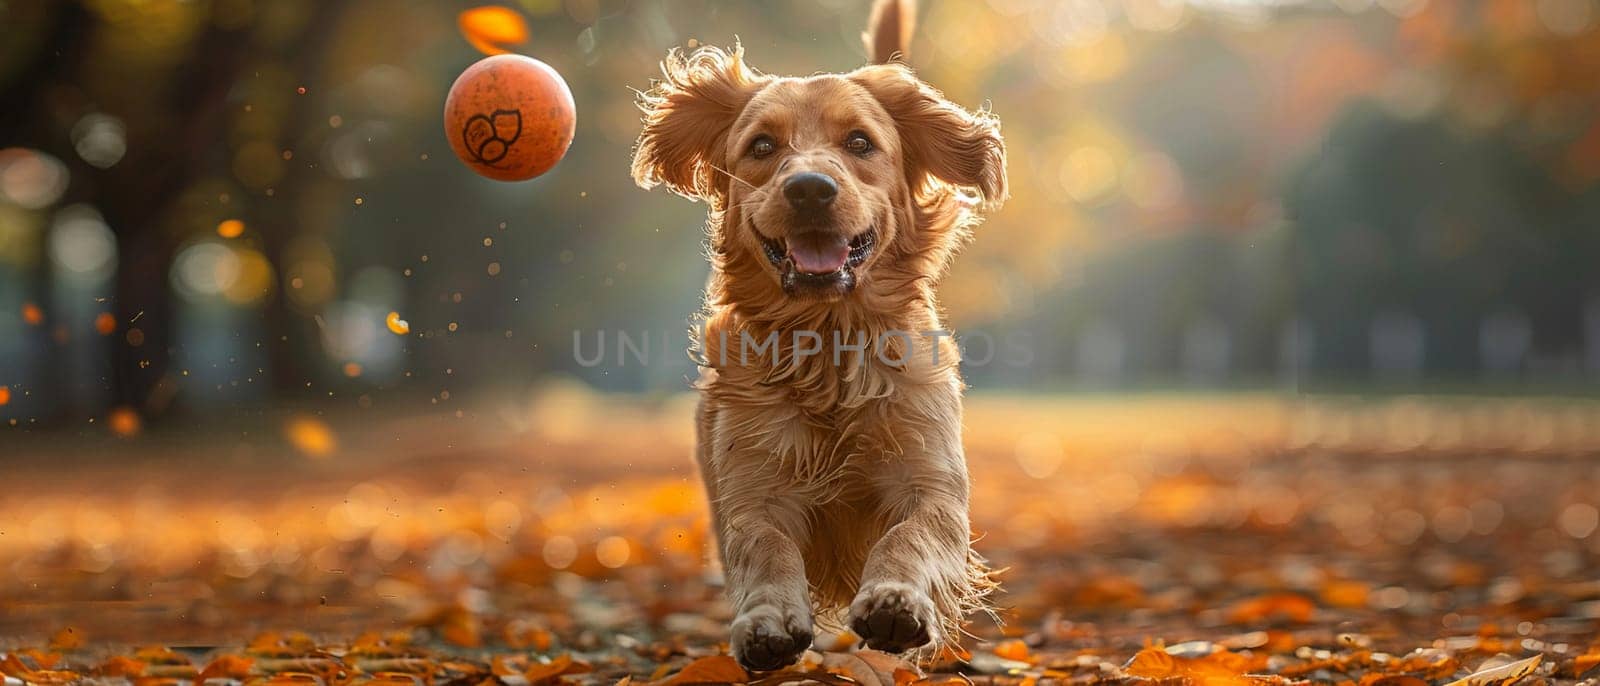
1274 272
209 207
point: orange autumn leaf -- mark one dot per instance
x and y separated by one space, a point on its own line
396 678
1013 649
1376 679
502 665
864 666
462 631
1287 606
66 639
274 643
1350 594
294 679
552 671
936 680
520 635
160 655
1221 668
717 669
121 665
43 659
11 665
1430 665
227 666
844 640
661 672
161 681
491 28
52 676
1583 663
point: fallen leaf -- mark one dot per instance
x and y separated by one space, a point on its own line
1376 679
552 671
66 639
1292 607
121 665
1220 668
716 669
1583 663
1501 674
1013 649
869 667
235 667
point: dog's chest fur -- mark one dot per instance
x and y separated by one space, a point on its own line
826 412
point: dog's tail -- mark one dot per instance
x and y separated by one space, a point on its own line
888 35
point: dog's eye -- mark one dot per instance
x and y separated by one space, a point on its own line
858 143
762 146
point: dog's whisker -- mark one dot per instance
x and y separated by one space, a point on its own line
733 176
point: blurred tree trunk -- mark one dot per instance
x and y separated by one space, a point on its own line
289 336
138 203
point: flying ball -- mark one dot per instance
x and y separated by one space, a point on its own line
509 117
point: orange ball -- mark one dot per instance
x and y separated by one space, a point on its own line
509 117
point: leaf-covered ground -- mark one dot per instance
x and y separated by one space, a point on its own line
1198 540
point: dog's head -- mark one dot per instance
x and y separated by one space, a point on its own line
821 181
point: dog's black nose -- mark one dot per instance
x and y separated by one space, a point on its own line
810 191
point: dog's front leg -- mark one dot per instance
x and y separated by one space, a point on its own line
766 580
921 576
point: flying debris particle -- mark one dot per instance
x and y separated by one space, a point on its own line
491 29
397 325
230 228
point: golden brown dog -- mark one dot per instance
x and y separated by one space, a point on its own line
830 419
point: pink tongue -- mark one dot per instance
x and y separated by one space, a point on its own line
818 257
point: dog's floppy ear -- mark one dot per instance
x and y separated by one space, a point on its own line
944 144
687 115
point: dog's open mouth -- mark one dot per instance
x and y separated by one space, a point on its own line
818 261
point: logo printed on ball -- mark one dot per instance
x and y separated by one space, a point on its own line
486 136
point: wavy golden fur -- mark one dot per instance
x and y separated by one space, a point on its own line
836 476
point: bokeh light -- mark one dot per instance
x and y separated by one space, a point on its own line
31 179
81 245
100 139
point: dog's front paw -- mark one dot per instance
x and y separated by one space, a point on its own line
893 617
765 638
